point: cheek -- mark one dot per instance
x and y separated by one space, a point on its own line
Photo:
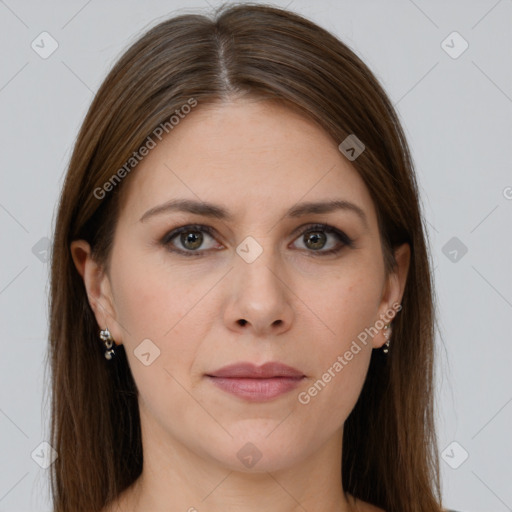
155 302
151 297
155 309
143 303
346 302
332 395
347 306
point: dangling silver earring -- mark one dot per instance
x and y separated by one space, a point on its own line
387 334
108 341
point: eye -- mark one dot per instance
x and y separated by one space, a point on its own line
191 238
315 238
318 239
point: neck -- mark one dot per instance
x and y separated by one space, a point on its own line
176 478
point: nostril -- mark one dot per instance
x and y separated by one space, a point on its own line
242 321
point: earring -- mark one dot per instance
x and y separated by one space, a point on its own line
387 333
108 341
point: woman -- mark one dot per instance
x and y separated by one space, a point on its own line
242 305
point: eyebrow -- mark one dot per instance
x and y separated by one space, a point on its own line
218 212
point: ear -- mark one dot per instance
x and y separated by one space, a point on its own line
98 287
393 290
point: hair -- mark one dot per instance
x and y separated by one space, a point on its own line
389 455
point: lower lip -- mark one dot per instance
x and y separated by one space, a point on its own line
257 390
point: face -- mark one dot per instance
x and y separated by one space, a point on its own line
263 280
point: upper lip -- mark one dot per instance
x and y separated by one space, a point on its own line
252 371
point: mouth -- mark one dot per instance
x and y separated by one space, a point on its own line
257 383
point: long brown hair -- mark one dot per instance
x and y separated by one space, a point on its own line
389 446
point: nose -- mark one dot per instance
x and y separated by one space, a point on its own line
259 298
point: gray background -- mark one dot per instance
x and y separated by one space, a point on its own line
457 115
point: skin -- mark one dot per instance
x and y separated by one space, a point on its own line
303 309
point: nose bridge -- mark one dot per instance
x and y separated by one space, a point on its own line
256 265
259 294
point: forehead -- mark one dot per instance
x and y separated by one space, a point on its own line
248 155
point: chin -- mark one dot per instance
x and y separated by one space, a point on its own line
255 451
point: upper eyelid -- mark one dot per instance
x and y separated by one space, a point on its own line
211 231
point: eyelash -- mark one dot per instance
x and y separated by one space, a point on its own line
345 240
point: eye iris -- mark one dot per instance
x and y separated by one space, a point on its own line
317 238
192 237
